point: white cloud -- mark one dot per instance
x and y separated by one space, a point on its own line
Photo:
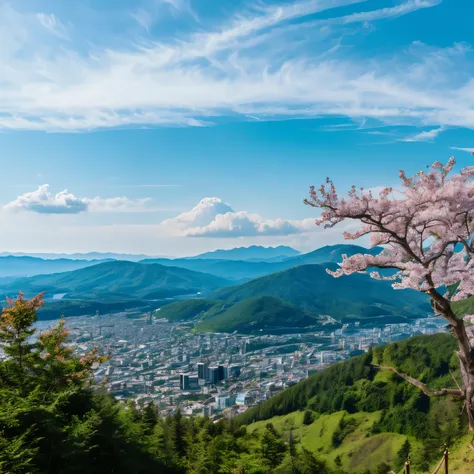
249 65
468 150
425 136
53 25
212 217
199 216
42 201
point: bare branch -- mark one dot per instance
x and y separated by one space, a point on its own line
423 387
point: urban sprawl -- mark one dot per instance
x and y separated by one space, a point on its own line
218 375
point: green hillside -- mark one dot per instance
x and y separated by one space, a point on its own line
465 306
113 286
311 288
266 314
355 417
187 309
119 279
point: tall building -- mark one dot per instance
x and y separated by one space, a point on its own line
213 375
223 372
202 370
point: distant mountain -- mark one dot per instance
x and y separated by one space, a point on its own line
254 253
79 256
11 266
116 282
237 270
354 297
241 270
331 253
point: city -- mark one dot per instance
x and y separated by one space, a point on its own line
217 375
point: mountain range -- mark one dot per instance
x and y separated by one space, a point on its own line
299 298
255 253
119 283
16 266
240 271
246 296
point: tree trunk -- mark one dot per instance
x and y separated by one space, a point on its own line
465 354
466 363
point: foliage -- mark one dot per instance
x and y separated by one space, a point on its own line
265 313
53 419
308 417
427 230
310 288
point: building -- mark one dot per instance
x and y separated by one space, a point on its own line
202 370
188 382
243 399
234 371
223 372
223 402
213 375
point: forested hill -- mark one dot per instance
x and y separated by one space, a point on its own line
352 407
311 288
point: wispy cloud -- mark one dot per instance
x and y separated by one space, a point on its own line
425 136
53 25
468 150
270 62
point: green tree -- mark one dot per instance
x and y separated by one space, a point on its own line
308 417
382 468
16 329
272 447
403 453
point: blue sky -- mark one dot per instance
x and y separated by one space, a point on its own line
143 109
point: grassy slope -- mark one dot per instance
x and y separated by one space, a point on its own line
383 411
358 451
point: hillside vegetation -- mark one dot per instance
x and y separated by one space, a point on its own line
311 288
260 313
349 418
354 416
295 299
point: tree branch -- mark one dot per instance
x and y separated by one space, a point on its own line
423 387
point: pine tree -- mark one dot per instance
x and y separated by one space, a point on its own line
16 329
272 447
403 453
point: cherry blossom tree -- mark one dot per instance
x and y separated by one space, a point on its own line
426 230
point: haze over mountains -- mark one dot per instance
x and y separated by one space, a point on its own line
253 253
243 295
